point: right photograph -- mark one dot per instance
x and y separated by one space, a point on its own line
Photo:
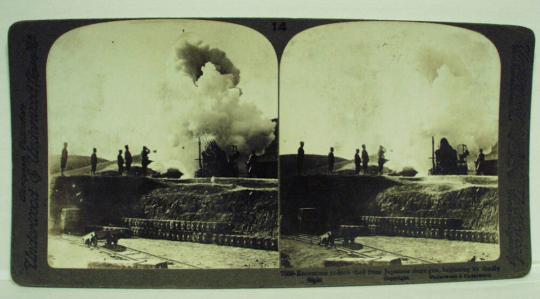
388 146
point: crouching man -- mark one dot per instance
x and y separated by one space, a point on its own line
327 239
90 239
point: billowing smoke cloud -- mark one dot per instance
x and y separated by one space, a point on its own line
224 117
132 83
193 57
212 108
390 84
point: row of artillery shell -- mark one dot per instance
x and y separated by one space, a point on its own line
179 225
353 229
209 238
412 222
449 234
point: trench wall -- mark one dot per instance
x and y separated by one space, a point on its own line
251 211
343 199
250 205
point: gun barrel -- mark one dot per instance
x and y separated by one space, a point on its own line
433 151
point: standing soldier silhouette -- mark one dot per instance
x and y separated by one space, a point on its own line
365 159
120 161
300 159
331 160
63 159
382 159
93 161
128 158
251 164
231 161
145 160
479 162
357 162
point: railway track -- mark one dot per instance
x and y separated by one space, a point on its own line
371 252
132 254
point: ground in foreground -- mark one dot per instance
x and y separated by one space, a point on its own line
68 252
302 254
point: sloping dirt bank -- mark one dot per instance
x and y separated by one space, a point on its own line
472 199
250 204
343 199
251 210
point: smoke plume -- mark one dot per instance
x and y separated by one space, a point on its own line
390 84
212 108
193 57
155 84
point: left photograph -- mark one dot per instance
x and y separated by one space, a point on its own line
163 146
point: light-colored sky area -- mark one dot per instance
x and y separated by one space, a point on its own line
390 83
118 83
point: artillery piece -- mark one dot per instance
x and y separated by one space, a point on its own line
444 163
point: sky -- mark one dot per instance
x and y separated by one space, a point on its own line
394 84
123 82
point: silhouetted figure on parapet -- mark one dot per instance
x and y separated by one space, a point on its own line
233 157
63 159
93 162
331 160
357 162
479 162
120 162
128 158
381 159
145 160
446 157
251 164
365 159
300 159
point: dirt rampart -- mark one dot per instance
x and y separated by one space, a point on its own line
343 199
249 204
